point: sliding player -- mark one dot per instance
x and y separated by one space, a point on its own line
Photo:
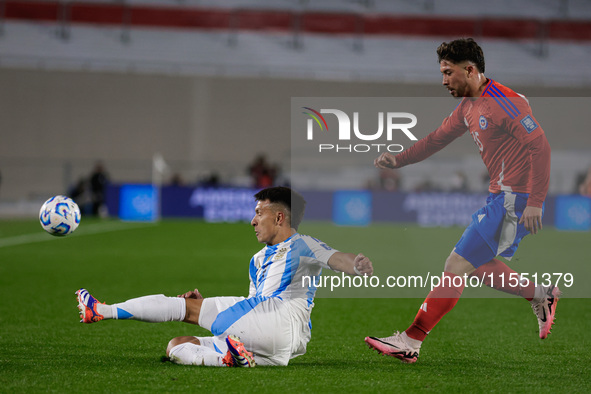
517 155
273 322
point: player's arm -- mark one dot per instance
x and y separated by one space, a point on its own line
452 127
539 150
350 263
527 130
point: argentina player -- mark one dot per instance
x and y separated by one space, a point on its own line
273 322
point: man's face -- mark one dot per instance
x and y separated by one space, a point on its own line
455 78
265 222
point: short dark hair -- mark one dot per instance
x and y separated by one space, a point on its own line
289 199
460 50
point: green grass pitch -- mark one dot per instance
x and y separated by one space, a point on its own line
483 345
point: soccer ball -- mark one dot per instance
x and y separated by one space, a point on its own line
59 216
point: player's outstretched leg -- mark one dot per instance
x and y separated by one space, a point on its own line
242 357
152 308
398 345
87 305
405 346
545 308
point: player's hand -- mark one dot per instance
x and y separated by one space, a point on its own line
385 160
532 219
362 265
191 294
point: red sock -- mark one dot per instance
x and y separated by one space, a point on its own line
499 276
440 300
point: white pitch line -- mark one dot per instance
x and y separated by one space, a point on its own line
90 229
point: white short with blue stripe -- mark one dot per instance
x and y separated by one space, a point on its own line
273 329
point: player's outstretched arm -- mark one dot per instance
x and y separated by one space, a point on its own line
351 264
540 179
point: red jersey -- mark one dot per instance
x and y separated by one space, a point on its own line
511 142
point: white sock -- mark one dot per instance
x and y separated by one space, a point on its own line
153 309
105 310
191 354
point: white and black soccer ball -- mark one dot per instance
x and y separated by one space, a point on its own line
59 216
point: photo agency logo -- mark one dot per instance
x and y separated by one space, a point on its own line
349 137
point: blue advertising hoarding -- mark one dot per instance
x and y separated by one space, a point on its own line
352 208
356 207
573 213
138 203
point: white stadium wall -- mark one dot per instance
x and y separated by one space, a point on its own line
55 125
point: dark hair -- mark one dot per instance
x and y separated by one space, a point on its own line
290 199
460 50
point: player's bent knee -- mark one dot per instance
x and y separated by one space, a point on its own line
179 340
458 265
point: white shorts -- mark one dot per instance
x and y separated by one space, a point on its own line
274 330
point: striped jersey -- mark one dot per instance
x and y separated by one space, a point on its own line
278 270
511 142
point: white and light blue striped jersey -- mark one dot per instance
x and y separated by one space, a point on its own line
278 270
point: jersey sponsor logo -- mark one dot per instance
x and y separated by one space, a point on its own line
482 122
529 124
480 217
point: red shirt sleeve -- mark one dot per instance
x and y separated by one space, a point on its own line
523 125
539 149
452 127
526 129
